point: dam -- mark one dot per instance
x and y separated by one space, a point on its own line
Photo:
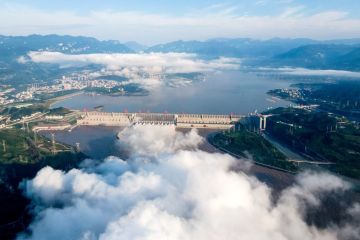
212 121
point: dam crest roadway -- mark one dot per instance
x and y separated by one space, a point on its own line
213 121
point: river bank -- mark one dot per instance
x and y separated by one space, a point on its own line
53 101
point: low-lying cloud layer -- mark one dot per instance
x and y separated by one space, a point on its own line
148 62
149 70
166 192
150 140
314 72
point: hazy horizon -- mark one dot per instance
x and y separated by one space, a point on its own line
179 40
165 21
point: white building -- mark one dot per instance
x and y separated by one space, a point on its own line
54 117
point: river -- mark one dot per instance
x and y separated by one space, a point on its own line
221 93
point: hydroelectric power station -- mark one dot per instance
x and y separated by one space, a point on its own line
96 118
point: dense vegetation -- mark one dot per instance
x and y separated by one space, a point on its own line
59 111
322 56
22 157
128 89
23 147
249 144
18 113
320 136
341 97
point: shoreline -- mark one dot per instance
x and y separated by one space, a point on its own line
52 101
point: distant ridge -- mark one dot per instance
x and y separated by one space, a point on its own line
321 56
19 45
135 46
299 52
240 47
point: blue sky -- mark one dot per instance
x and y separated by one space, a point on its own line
152 22
254 7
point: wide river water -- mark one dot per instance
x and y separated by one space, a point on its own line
221 93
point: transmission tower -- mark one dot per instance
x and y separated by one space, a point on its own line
78 147
53 143
35 137
4 145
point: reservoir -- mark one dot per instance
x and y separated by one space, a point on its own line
221 93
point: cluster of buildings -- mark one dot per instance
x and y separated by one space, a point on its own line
23 96
73 82
79 83
291 93
4 98
306 107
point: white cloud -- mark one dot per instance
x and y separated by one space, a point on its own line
149 140
292 12
145 69
313 72
179 194
149 62
216 21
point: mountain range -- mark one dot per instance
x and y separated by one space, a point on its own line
321 56
276 52
13 46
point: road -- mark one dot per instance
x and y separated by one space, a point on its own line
291 155
26 120
276 179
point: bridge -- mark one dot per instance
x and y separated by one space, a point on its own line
96 118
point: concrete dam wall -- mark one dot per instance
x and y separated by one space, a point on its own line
179 120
